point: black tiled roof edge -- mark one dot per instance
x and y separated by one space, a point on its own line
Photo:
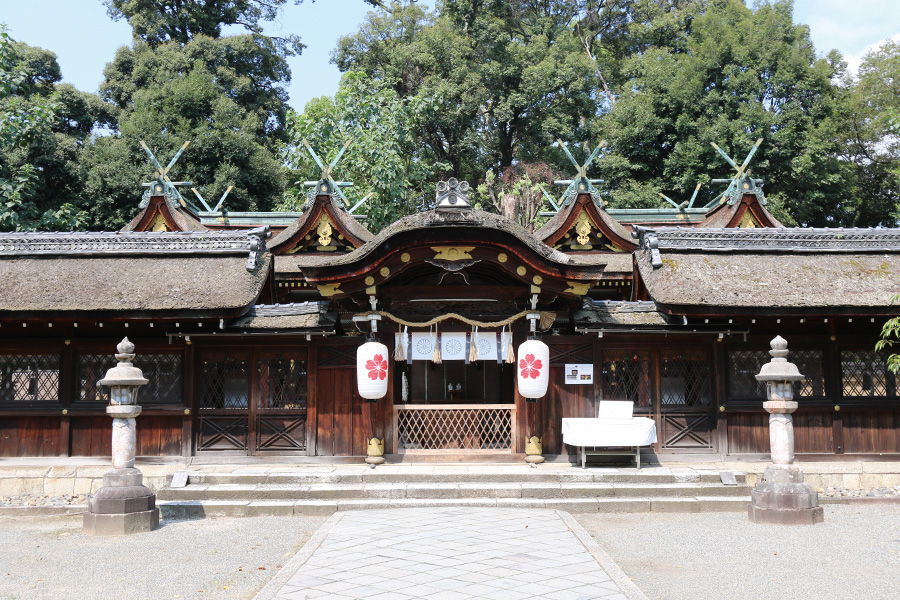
782 240
286 310
107 243
619 305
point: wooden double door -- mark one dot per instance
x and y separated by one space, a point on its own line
253 400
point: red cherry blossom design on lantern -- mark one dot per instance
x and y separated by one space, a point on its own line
531 367
377 367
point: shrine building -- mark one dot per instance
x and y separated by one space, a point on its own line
247 326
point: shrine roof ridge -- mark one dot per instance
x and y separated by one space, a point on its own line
132 242
781 239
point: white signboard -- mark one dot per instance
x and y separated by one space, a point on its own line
579 374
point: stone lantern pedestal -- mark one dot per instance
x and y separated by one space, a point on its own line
124 505
782 497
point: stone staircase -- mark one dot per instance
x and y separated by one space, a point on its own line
324 490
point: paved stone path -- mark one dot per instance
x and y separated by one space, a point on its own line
453 553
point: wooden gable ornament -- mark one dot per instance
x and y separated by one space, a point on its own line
324 227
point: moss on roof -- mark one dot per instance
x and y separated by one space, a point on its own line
172 284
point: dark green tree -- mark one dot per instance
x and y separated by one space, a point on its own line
42 128
384 158
221 94
726 74
509 76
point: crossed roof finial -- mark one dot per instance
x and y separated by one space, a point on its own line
163 186
326 184
742 183
581 183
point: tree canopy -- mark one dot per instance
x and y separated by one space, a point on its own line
477 89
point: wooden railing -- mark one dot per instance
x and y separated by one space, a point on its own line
459 427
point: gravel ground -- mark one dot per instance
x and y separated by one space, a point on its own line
854 554
50 558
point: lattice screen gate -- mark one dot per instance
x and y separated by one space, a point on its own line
461 427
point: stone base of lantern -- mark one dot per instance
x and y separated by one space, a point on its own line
122 506
782 498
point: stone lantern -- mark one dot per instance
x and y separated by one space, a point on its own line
123 505
782 497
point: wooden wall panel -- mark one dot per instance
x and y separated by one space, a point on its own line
872 431
29 436
562 400
92 436
748 433
325 395
813 432
159 435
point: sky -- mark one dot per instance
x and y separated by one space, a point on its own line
85 39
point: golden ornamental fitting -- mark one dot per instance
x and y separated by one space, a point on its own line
721 409
187 411
837 407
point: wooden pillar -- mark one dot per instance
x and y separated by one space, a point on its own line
833 388
68 391
252 397
720 390
311 395
191 417
656 397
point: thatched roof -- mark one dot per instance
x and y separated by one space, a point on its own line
732 215
550 232
595 314
778 268
179 219
306 316
344 221
174 273
470 219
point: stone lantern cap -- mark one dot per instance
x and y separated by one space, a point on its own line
124 373
779 369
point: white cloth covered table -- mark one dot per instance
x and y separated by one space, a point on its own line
634 432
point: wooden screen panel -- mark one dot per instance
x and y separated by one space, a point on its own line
223 432
813 433
159 435
687 430
92 436
281 432
748 433
872 431
29 436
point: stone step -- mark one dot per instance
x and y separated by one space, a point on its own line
506 474
174 509
399 491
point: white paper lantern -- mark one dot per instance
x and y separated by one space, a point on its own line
372 370
533 368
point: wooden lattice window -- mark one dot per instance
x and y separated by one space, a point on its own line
744 365
162 371
29 378
864 373
224 381
684 377
626 376
282 380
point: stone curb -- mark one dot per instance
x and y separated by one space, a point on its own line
42 511
271 589
859 499
628 587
